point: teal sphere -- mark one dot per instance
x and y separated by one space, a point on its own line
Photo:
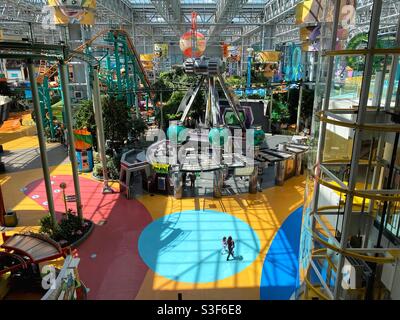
259 136
174 133
218 136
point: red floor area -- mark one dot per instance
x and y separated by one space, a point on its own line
110 263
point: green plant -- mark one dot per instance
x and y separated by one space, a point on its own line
68 230
280 111
98 170
117 124
139 126
70 226
84 116
255 96
47 227
112 169
235 81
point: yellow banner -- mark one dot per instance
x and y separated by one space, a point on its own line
74 11
312 11
268 56
147 61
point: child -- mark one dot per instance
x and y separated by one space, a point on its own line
231 246
224 246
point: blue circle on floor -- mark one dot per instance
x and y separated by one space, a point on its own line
187 246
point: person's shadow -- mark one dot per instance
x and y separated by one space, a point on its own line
237 258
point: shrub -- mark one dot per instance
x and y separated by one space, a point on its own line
280 111
98 170
84 116
112 169
69 229
139 127
47 227
117 123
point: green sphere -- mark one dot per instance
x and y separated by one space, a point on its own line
259 136
218 136
174 133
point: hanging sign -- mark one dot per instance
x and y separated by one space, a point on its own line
73 11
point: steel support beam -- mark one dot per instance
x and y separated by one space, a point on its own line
42 142
71 139
226 11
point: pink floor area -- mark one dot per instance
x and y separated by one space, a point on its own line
110 263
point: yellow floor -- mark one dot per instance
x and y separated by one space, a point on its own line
13 136
264 212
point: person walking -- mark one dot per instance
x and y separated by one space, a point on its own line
224 246
231 246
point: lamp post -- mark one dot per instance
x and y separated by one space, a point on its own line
63 186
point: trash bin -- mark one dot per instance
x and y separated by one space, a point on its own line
11 219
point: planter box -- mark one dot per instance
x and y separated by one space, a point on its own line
11 219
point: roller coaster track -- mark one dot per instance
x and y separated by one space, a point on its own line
80 51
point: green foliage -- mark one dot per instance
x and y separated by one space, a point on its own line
69 229
139 126
112 167
70 226
235 81
98 170
116 120
174 84
84 116
47 227
255 96
360 41
280 110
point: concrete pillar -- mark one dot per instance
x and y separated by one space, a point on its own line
218 183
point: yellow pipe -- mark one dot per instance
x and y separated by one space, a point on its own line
353 125
378 260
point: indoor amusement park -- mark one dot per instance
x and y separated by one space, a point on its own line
199 150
